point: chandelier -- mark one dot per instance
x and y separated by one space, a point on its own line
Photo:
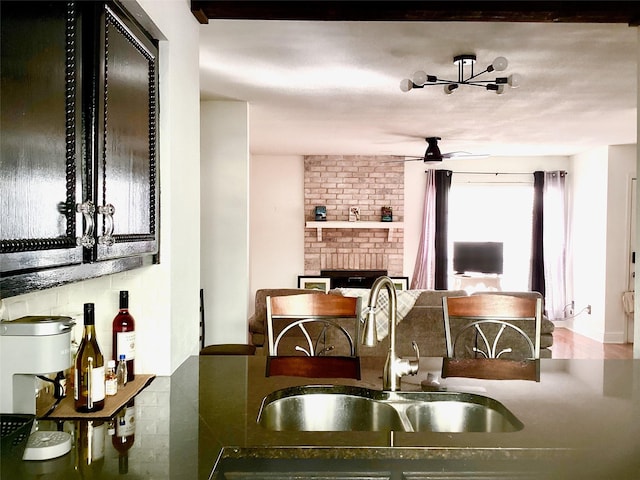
465 65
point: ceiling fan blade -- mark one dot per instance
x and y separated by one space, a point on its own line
403 159
464 155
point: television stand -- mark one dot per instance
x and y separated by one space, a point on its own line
472 282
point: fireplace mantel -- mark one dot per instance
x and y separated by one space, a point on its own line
390 226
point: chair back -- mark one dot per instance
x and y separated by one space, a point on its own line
502 332
315 331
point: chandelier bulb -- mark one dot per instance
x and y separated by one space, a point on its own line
500 90
406 85
449 88
500 64
420 78
514 80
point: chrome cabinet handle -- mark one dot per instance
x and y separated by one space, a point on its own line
107 239
87 209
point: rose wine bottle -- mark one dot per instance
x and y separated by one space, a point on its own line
124 335
125 435
88 387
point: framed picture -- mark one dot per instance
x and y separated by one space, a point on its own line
315 283
401 283
354 214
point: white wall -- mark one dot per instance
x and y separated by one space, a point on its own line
621 169
589 240
164 299
277 221
600 233
636 335
225 220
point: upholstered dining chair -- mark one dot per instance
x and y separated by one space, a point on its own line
483 332
313 335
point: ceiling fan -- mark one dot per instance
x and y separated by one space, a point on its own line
433 153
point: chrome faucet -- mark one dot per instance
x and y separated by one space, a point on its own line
395 367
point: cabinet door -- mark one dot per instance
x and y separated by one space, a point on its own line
39 175
126 181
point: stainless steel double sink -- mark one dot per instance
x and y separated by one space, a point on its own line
338 408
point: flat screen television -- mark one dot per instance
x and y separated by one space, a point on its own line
478 257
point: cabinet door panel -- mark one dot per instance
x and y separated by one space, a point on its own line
127 154
39 178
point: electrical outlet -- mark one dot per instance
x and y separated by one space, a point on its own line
589 309
572 307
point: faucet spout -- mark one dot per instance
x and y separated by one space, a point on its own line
394 368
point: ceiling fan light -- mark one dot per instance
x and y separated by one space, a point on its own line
449 88
420 77
406 85
514 80
500 64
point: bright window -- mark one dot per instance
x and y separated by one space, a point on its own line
494 212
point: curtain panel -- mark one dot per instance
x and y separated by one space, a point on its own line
430 271
536 281
443 185
424 270
548 257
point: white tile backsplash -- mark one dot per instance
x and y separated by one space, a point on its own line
104 291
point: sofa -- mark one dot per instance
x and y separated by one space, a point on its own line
423 323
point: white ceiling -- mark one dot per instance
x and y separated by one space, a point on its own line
331 88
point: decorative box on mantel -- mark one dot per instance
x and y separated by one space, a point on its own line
390 226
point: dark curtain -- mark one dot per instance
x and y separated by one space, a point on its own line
537 248
443 184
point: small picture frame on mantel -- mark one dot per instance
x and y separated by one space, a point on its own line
387 214
354 214
321 213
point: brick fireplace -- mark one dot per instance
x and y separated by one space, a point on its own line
339 182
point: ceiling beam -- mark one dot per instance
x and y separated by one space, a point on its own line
440 11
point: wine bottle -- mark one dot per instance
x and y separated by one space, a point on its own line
125 435
88 387
90 446
124 335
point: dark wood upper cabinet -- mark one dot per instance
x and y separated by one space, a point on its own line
78 171
41 136
125 153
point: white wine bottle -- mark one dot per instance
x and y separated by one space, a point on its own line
89 388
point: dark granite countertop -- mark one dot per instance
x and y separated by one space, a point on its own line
580 409
582 420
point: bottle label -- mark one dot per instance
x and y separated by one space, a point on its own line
126 425
96 435
126 345
111 386
97 384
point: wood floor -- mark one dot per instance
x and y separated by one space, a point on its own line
567 344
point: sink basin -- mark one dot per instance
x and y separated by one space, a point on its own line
477 414
329 412
338 408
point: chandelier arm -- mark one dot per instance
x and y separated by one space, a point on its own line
477 84
476 75
480 83
444 81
